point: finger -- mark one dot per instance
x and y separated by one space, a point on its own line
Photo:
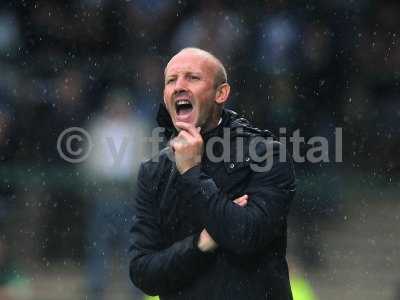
184 137
172 144
187 127
244 197
178 140
237 201
242 203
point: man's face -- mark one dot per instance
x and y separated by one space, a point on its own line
189 91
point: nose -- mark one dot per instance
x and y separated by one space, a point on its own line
180 85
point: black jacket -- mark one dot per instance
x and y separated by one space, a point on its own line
172 209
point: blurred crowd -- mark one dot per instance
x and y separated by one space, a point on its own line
312 65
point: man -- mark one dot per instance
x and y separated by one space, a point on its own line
205 229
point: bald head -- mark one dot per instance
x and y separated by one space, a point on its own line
198 78
220 75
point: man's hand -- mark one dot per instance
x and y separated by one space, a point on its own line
187 147
206 243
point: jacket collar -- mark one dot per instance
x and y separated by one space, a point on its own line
164 120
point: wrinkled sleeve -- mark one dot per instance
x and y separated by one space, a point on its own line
243 229
154 268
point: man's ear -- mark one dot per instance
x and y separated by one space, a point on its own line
163 96
165 102
222 93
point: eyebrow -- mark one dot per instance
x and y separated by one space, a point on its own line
186 73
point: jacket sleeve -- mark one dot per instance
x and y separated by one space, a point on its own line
242 229
154 268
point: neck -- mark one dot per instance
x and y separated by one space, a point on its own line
209 126
212 125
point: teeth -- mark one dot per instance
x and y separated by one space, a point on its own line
181 102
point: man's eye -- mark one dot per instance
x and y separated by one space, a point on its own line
194 77
170 80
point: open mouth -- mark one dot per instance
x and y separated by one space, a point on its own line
183 107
